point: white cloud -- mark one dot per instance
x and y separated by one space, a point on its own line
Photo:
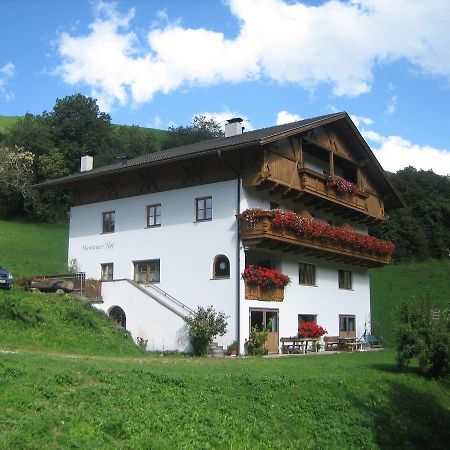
286 117
6 72
337 43
222 116
395 153
392 106
358 120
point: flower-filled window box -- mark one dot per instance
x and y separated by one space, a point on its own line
264 284
341 185
311 330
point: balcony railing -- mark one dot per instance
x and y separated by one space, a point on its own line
263 233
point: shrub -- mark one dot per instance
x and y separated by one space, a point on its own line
419 336
256 341
205 324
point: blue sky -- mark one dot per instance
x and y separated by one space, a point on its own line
158 63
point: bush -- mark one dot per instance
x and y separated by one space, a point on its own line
256 341
419 336
204 324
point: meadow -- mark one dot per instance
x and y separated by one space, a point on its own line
427 281
70 379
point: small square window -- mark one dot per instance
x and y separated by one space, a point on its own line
345 279
109 222
154 215
203 208
147 271
307 274
107 272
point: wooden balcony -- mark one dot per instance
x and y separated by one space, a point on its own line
359 206
257 292
263 234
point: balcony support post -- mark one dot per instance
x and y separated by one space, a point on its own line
331 163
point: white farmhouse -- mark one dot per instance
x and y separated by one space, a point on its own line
171 230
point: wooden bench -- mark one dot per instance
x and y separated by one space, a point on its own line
332 341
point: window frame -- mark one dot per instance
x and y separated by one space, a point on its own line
148 271
216 261
343 282
156 207
103 266
108 222
305 282
205 209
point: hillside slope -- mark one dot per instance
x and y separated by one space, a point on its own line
429 281
29 248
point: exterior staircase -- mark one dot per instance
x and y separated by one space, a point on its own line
215 350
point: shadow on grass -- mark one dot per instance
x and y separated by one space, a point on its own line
409 419
392 368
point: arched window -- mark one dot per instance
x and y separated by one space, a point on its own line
118 315
221 267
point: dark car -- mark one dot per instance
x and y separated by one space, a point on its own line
6 279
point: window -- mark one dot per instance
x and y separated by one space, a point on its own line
147 271
302 318
221 267
203 208
109 222
107 272
307 274
154 215
345 279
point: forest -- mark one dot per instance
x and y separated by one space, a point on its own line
35 148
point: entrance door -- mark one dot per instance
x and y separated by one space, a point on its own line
267 318
347 328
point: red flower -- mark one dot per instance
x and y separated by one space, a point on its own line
265 277
311 330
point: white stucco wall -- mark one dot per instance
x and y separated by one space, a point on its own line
186 248
325 299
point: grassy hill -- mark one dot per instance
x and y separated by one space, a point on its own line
429 281
33 249
158 135
6 121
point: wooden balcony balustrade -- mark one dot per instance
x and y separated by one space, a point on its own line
361 205
263 234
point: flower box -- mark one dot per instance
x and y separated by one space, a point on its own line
264 293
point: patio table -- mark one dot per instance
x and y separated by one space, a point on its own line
297 344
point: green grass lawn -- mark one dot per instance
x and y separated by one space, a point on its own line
28 248
390 285
331 401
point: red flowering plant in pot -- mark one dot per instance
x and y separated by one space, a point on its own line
264 277
311 330
341 184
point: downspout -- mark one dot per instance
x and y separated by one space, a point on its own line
238 245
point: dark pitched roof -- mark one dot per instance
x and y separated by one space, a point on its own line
248 139
198 149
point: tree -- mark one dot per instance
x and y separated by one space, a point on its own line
201 129
78 128
16 178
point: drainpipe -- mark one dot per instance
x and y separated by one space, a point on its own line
238 244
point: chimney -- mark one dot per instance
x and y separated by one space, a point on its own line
234 127
87 163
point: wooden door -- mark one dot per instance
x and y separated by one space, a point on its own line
267 318
347 326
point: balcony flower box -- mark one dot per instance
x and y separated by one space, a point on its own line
262 283
258 292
